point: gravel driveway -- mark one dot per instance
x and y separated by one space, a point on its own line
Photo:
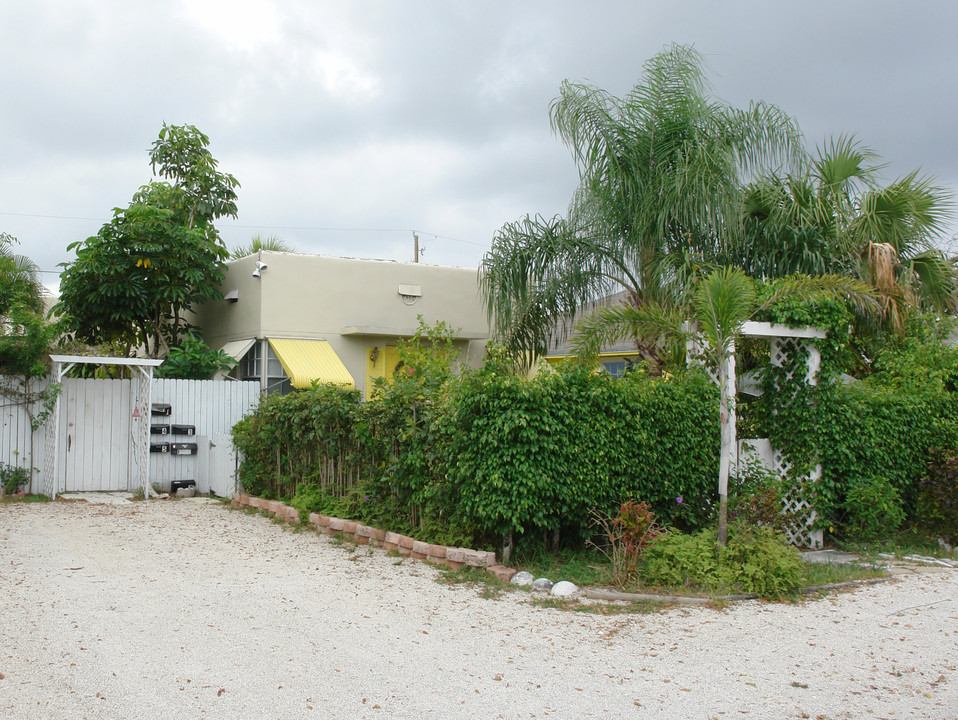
181 609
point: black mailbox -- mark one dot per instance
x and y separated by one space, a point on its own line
184 430
161 409
159 447
159 429
183 448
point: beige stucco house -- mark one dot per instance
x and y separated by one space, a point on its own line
290 319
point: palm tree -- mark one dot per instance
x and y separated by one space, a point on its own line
21 279
258 243
721 303
835 217
659 196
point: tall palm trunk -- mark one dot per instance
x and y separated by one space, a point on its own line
725 457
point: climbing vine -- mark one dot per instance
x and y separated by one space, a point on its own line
881 428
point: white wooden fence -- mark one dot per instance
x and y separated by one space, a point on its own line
94 449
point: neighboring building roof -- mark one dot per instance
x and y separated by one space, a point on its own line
561 343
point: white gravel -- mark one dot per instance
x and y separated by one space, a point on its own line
179 609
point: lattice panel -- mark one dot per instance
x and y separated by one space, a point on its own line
695 355
50 479
781 349
141 433
801 531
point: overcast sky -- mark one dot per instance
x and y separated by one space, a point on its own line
351 124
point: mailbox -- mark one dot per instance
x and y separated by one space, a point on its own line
159 429
159 447
161 409
184 430
183 448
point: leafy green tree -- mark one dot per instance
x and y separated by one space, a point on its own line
193 359
133 281
835 216
721 303
660 193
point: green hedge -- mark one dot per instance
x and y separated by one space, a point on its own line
542 454
317 436
863 431
493 452
883 428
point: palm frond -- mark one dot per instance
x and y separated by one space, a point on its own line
258 243
724 299
606 325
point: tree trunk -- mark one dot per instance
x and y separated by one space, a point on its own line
727 440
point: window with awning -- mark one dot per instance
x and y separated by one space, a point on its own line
307 361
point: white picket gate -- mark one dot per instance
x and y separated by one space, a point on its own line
94 435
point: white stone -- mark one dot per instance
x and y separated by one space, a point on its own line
520 578
564 588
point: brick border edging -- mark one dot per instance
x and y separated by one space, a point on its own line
453 557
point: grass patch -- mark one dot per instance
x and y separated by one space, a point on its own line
825 573
33 498
634 607
465 576
906 542
584 567
486 584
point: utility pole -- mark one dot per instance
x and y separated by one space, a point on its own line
415 240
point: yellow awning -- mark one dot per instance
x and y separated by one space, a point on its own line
308 360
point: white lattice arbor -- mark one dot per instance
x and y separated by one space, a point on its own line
139 423
784 342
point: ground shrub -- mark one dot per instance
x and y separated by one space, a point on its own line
624 538
756 560
757 496
13 478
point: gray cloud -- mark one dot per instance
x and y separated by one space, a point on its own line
343 117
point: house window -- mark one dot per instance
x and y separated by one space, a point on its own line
618 368
277 382
249 365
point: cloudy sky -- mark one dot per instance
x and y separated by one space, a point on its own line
352 124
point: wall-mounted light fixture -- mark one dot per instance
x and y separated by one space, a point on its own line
260 265
373 355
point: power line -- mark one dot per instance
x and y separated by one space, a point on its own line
266 227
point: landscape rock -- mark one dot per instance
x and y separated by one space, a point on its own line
522 578
542 584
564 589
505 574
